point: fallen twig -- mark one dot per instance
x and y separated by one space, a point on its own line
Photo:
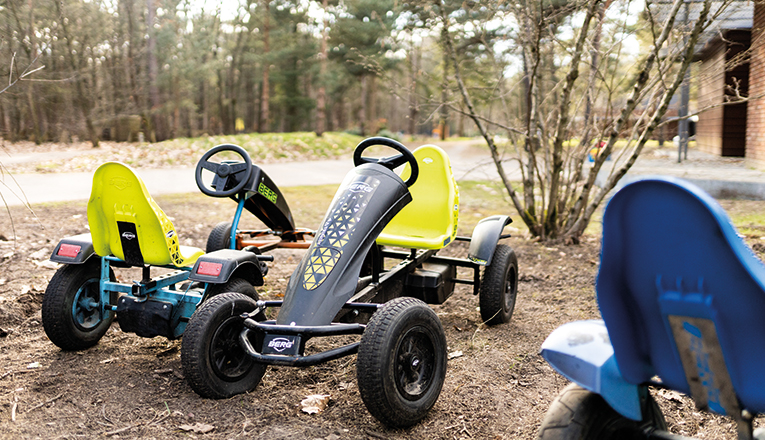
375 434
103 414
12 372
44 403
137 425
117 431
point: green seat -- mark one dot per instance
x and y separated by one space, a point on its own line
127 223
430 220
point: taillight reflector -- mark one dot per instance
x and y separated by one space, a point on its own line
210 269
68 250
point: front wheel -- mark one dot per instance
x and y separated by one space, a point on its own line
401 363
213 361
73 315
578 414
499 286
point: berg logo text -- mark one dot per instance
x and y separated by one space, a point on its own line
280 344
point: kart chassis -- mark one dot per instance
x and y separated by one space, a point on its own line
379 287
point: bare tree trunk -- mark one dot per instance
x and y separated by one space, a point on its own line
449 51
251 122
82 99
363 108
321 97
442 114
11 110
588 126
265 99
30 86
118 99
373 103
222 109
553 207
414 70
151 55
131 66
578 227
342 122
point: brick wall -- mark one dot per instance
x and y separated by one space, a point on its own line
709 130
721 130
755 127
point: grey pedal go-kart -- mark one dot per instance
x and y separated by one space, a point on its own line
370 271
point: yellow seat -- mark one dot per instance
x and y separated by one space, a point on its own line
430 220
127 223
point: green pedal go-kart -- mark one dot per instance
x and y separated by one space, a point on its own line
370 270
129 230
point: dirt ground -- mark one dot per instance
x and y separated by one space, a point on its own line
132 387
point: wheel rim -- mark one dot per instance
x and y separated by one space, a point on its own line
228 359
415 363
621 429
86 306
508 302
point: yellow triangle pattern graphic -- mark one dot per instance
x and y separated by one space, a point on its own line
321 263
337 234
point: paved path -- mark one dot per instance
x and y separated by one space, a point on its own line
469 162
719 176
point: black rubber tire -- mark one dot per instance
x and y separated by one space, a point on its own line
219 238
215 365
578 414
69 329
234 284
499 286
401 363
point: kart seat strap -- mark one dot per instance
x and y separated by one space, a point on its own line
127 223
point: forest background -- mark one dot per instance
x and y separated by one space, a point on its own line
179 68
542 82
101 69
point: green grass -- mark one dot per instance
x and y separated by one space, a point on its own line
185 152
747 215
267 146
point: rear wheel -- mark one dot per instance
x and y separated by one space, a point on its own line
401 363
578 414
499 286
72 311
214 363
219 238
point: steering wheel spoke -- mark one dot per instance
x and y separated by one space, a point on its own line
210 166
390 162
238 168
393 161
221 183
223 171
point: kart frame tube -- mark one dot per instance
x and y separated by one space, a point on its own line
287 239
333 329
302 331
431 257
155 287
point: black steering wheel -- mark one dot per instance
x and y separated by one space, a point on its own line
224 171
391 162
